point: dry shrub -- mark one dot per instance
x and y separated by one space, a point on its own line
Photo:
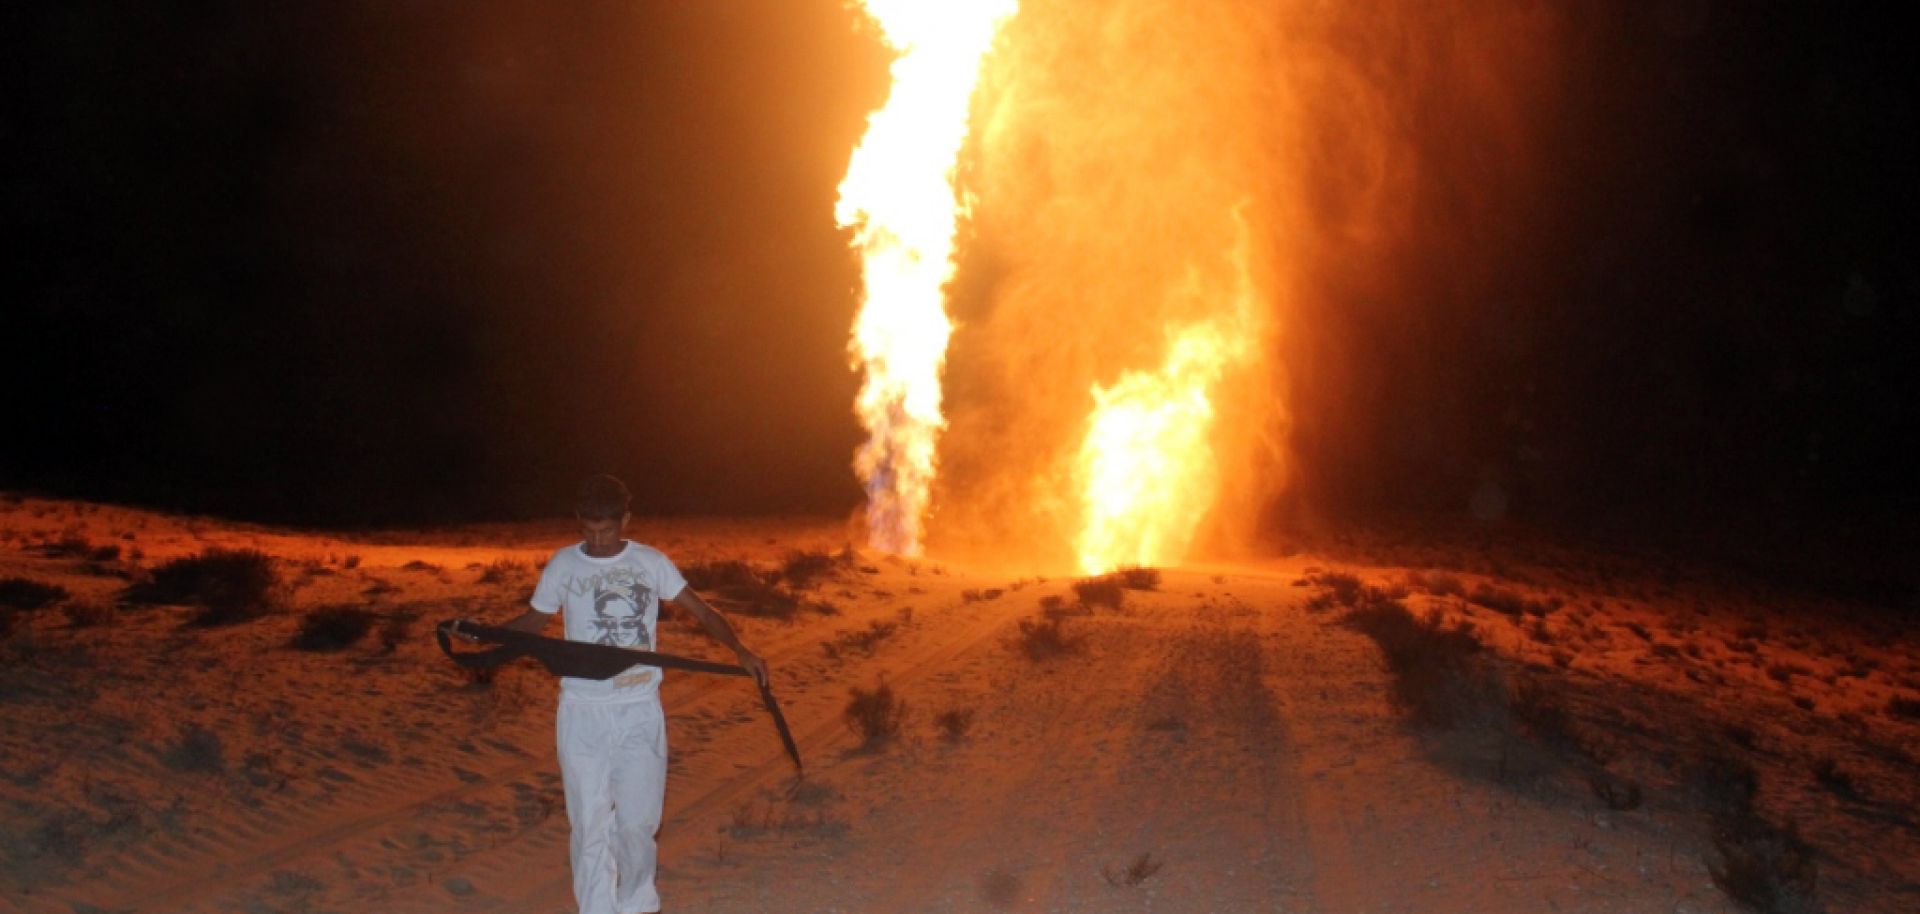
1618 793
70 545
333 628
87 614
9 620
875 716
198 750
63 836
422 565
1764 867
1342 589
229 585
1139 578
803 569
1723 786
1904 708
717 576
972 595
1511 603
1435 680
28 594
954 723
397 629
745 590
1140 870
1045 639
1542 716
504 571
1835 778
1105 590
863 640
1439 583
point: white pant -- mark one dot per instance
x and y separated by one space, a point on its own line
613 763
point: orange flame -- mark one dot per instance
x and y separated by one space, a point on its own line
899 199
1147 466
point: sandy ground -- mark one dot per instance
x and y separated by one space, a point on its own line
1221 742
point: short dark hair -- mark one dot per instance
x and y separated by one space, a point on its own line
602 496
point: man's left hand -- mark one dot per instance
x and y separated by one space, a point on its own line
753 663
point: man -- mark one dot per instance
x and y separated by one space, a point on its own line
612 734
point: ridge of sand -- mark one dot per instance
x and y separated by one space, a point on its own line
1222 724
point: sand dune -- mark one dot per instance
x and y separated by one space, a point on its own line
1222 741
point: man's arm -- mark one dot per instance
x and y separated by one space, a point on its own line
718 629
531 621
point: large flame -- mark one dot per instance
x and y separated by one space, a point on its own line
899 199
1147 463
1147 467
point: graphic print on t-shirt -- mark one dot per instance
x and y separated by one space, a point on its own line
620 601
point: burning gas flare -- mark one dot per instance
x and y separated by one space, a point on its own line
1147 466
899 199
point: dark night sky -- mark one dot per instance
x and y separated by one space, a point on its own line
363 263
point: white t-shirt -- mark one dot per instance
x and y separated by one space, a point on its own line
615 600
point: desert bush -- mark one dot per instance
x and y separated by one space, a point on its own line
504 571
954 723
1618 793
397 629
229 585
803 569
1139 870
26 593
1105 590
1440 583
875 716
1764 867
1498 599
750 592
1045 638
9 620
717 576
70 545
63 836
863 640
1342 589
1435 680
1139 578
87 614
1543 716
972 595
1905 708
197 750
1723 786
333 628
1835 778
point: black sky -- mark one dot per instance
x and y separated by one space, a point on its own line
364 263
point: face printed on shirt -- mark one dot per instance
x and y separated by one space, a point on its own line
618 618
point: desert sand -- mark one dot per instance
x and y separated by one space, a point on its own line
1221 737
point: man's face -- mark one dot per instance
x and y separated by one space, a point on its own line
602 535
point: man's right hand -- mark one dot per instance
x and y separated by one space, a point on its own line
454 629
